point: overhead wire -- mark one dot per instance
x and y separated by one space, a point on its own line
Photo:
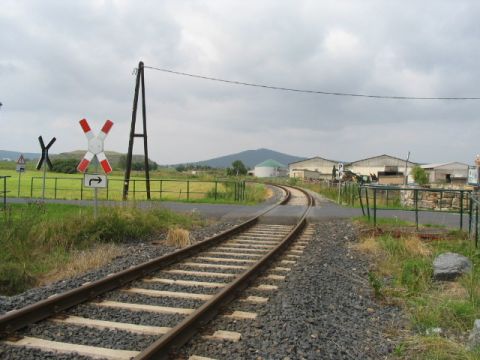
319 92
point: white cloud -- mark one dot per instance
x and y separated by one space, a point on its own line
62 61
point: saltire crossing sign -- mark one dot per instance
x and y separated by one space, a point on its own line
95 147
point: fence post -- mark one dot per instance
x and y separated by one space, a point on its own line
31 187
235 183
55 190
216 184
416 206
461 209
360 198
134 190
5 194
81 189
375 207
188 190
368 203
161 182
476 225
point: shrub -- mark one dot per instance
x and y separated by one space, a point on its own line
419 175
66 166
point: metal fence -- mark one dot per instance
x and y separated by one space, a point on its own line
374 197
3 191
73 188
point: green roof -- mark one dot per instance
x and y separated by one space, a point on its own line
271 163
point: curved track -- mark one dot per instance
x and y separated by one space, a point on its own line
217 270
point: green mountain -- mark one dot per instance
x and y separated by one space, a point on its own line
250 158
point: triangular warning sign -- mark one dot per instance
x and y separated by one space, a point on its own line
21 160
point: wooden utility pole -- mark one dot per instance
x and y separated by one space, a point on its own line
140 80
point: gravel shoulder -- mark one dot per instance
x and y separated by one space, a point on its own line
323 310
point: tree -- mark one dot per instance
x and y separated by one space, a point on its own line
122 162
419 175
238 168
66 166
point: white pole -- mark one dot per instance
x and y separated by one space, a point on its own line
95 212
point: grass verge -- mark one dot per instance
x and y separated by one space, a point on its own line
440 314
43 242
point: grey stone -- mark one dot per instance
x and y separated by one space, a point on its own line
474 337
448 266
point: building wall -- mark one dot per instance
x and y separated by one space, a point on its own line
317 164
379 164
308 174
439 173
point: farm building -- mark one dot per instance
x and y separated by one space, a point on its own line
388 169
322 167
270 168
453 172
305 174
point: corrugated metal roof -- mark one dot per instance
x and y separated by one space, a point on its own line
381 156
271 163
437 165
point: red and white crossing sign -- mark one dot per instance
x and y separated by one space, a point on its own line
95 146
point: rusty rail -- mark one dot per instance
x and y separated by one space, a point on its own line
181 333
17 319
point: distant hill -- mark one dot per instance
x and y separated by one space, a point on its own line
112 156
250 158
14 155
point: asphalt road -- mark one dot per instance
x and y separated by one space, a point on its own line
324 209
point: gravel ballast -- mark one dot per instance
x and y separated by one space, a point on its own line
323 310
135 253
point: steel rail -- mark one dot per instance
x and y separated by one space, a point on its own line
181 333
19 318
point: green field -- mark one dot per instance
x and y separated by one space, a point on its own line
70 187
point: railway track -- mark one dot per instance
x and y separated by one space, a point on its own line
167 299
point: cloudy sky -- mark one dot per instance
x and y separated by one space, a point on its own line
61 61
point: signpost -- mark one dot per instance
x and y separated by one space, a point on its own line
95 181
46 159
95 149
339 178
20 169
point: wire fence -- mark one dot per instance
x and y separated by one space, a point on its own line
161 189
373 198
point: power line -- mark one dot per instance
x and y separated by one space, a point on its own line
308 91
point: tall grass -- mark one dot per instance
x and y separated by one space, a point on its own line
403 274
254 193
34 242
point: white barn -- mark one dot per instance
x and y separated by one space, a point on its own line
447 172
389 168
322 167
